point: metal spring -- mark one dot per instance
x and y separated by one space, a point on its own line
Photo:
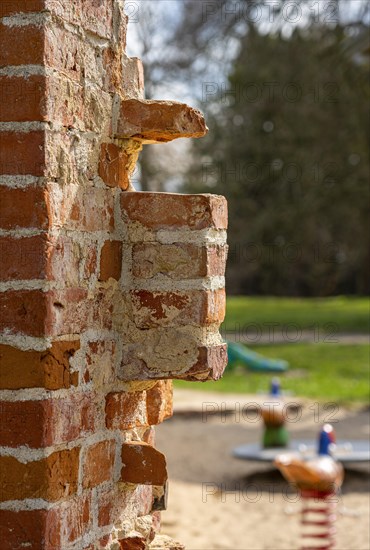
318 520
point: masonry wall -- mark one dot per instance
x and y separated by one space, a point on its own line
105 294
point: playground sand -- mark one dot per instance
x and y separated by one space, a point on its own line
268 524
218 502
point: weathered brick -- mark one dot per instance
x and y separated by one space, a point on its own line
125 410
64 256
74 518
98 464
43 423
32 529
47 529
72 311
159 402
178 261
23 311
86 209
113 166
114 502
25 207
23 258
13 7
158 121
90 261
48 369
142 464
40 257
172 211
72 56
23 99
212 361
151 309
22 153
94 16
100 362
133 542
216 259
54 313
50 478
21 45
111 260
133 74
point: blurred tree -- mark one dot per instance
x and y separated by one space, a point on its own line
181 43
288 147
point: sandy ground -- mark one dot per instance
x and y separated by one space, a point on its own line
218 502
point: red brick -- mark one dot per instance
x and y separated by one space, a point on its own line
134 542
72 311
23 311
23 99
151 309
172 211
103 543
64 256
178 261
22 45
69 312
159 402
74 517
31 529
50 478
48 369
158 121
24 207
23 258
22 153
99 462
113 502
212 361
43 423
142 464
92 209
216 259
47 529
111 260
113 166
92 15
13 7
124 410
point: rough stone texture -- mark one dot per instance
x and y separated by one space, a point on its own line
153 121
105 294
163 542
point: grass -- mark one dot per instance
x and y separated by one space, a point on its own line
325 372
330 315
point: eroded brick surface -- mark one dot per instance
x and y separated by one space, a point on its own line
105 294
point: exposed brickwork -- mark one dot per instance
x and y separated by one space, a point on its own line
105 294
142 463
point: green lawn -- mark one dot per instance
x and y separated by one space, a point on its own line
326 372
331 315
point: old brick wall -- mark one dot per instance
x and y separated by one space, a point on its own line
105 294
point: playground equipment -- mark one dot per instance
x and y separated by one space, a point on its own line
238 354
318 480
274 415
